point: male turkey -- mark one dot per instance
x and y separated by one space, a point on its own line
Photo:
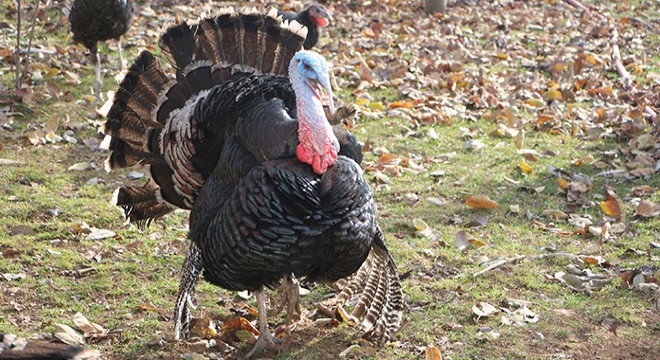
99 20
232 138
313 17
16 348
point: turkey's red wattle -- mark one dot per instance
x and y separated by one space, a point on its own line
317 151
320 22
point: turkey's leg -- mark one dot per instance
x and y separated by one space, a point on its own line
266 340
122 62
192 266
98 83
289 293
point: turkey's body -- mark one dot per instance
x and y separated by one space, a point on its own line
99 20
228 138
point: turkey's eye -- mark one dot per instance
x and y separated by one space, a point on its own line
307 67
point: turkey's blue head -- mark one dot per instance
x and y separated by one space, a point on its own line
317 144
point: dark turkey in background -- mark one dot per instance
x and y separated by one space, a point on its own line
314 17
100 20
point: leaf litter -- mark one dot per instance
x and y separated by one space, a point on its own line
590 89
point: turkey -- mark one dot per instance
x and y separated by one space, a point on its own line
15 348
99 20
313 17
239 136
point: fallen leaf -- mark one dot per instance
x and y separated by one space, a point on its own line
68 336
557 214
483 309
612 205
80 166
420 225
147 307
350 351
12 277
99 234
477 242
88 328
401 104
647 209
481 202
461 240
238 323
525 167
432 353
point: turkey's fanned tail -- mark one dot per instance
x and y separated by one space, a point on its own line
379 307
149 123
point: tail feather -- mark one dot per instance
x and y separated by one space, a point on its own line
197 77
141 203
290 43
151 121
179 46
380 304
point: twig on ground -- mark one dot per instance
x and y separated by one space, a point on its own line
17 55
558 254
616 59
498 264
34 21
578 5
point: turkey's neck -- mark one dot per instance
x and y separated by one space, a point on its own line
317 143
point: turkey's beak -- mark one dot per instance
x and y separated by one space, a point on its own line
325 14
323 90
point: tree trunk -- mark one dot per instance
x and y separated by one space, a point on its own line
435 6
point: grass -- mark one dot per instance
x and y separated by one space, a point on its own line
134 278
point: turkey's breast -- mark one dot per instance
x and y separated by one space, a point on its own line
283 218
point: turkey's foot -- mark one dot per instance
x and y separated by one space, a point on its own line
289 294
266 340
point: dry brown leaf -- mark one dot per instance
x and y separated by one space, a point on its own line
365 71
68 336
481 202
147 307
238 323
387 158
401 104
555 213
433 353
612 205
88 328
627 277
647 209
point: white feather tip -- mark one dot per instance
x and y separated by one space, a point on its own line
296 28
